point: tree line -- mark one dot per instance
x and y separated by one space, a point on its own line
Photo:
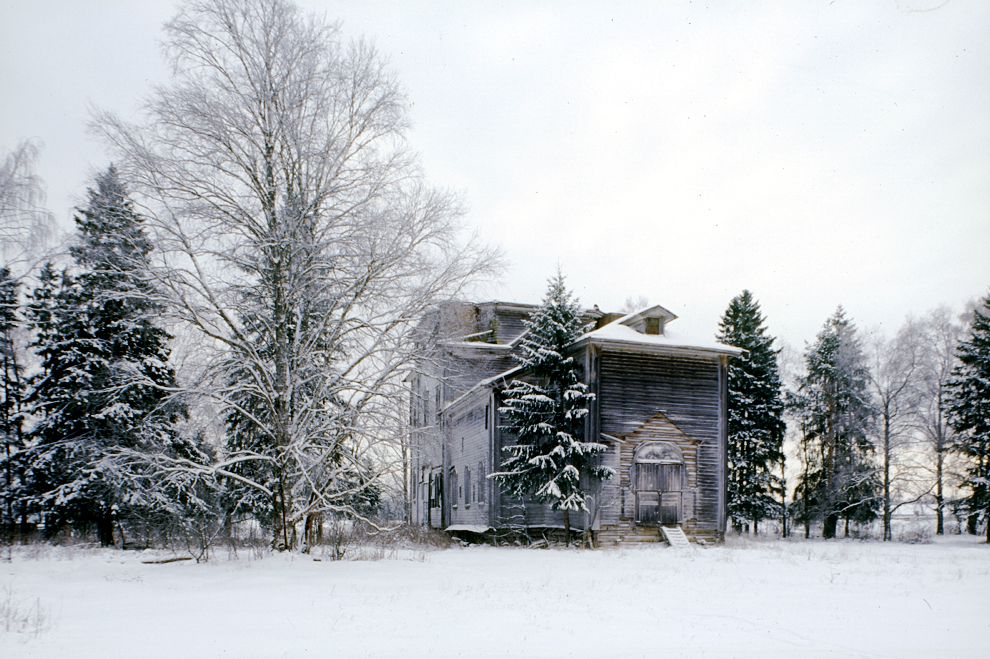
879 424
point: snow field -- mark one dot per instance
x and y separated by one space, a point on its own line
747 598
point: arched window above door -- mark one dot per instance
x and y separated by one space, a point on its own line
659 453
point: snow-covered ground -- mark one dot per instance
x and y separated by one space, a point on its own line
747 598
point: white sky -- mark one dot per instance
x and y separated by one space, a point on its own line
816 153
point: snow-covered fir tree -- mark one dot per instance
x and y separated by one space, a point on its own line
544 409
11 399
60 416
839 479
755 406
105 380
969 414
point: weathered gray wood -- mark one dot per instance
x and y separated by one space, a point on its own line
634 387
643 394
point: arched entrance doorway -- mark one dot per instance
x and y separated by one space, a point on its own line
658 482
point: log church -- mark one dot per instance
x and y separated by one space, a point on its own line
659 407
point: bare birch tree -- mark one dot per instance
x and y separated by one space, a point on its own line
941 335
25 224
895 366
297 235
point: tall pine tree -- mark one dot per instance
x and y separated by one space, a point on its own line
969 414
105 383
839 480
550 461
756 406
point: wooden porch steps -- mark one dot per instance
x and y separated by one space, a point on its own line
625 532
674 535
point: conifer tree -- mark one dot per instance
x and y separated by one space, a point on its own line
839 480
105 382
545 410
11 399
60 414
969 414
755 408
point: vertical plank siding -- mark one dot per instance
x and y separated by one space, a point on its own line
468 442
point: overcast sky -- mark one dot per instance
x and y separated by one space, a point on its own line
817 153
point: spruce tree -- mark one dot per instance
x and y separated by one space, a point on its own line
11 400
839 480
106 382
755 407
969 414
545 409
55 400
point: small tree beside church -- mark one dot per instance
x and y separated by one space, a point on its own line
550 460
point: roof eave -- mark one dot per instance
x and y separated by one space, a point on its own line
643 346
483 385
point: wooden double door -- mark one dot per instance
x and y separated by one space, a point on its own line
659 493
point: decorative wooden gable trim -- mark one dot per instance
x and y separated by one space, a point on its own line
659 427
660 430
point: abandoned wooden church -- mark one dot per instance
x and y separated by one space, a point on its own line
660 407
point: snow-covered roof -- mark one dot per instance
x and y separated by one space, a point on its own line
621 331
656 311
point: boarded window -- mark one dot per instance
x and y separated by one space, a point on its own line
455 492
436 489
467 484
482 482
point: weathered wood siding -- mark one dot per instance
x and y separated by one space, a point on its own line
468 449
632 388
512 512
632 385
462 371
510 326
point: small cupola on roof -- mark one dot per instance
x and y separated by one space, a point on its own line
649 321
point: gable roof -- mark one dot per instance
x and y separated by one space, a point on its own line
620 332
656 311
